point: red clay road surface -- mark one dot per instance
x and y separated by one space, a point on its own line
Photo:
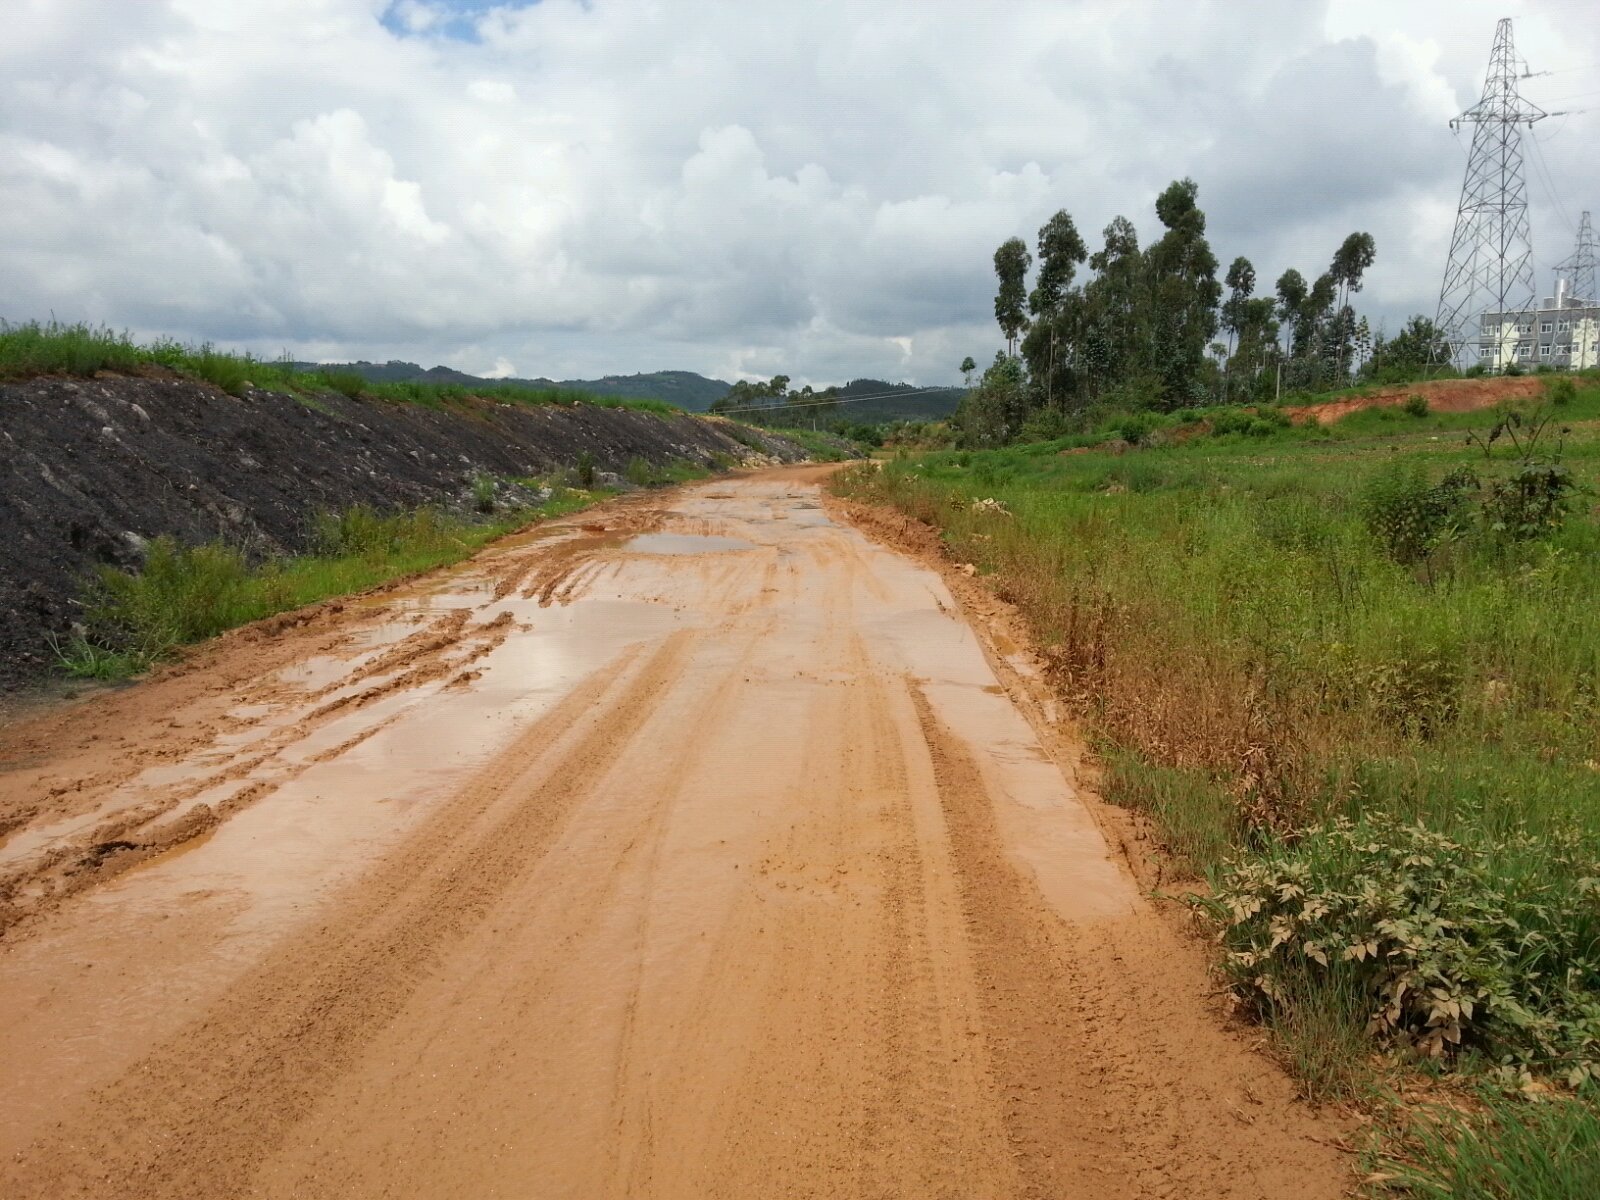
694 848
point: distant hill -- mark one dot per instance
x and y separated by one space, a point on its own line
683 388
886 402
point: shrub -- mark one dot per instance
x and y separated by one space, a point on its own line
1448 946
1134 428
585 470
1044 425
1416 405
1251 424
1561 390
484 490
1409 516
1530 504
639 472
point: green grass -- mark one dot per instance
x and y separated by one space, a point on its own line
1350 743
185 594
52 348
1502 1149
822 447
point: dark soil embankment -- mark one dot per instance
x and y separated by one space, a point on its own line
90 469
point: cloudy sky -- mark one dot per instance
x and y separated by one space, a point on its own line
814 188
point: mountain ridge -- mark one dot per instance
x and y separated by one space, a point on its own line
688 390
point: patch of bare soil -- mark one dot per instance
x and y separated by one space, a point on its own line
1442 395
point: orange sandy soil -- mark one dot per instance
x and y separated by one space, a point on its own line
704 847
1443 395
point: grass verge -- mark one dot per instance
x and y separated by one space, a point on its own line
1494 1149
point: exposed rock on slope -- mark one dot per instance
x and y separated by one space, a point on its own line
91 468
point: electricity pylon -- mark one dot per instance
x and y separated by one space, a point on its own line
1578 270
1490 268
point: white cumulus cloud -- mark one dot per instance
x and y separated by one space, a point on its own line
620 185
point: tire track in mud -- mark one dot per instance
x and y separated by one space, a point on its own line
198 1116
1099 1099
933 1132
137 833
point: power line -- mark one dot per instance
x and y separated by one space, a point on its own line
1542 169
773 408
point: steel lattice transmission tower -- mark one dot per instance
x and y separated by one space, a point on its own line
1578 270
1490 268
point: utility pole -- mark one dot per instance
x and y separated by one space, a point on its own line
1578 270
1490 268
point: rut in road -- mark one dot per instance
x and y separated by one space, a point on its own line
702 854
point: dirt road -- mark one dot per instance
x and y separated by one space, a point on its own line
705 854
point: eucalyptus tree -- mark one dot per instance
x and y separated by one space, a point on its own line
1011 263
1350 262
1183 290
1055 306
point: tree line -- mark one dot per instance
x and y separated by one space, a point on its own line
772 400
1155 327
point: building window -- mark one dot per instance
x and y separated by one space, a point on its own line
1563 326
1524 327
1523 350
1485 352
1544 350
1547 327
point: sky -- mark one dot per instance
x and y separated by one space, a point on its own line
571 189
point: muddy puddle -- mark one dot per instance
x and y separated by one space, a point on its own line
684 543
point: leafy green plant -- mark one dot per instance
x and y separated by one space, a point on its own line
1446 949
1410 516
585 470
1416 405
1533 502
